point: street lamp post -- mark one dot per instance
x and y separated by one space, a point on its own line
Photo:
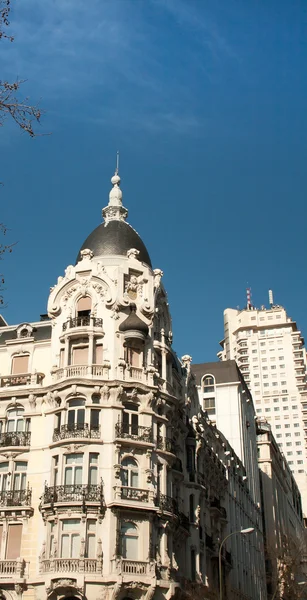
242 532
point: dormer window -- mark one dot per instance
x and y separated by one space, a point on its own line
208 384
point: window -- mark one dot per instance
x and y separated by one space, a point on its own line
70 538
91 539
285 408
76 414
14 541
129 473
55 470
209 405
4 471
93 469
15 421
79 354
296 424
288 444
288 435
278 426
300 462
298 443
279 435
83 308
267 410
134 356
287 426
98 354
73 469
297 434
20 475
129 541
208 383
20 364
191 508
299 452
294 407
130 419
193 565
276 408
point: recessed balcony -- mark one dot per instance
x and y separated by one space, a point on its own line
15 498
71 565
128 431
85 321
16 438
22 379
82 431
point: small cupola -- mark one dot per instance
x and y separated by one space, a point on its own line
133 327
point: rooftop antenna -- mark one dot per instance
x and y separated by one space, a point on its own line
248 298
117 163
271 298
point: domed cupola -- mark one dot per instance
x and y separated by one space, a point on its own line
114 237
133 327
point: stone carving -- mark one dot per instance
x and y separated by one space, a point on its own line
86 253
158 274
63 583
105 393
133 253
32 401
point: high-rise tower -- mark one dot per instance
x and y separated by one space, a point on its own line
269 349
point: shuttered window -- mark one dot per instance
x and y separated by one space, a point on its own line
80 355
14 541
20 364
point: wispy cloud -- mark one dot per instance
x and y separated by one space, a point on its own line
112 54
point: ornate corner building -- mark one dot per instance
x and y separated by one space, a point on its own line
113 482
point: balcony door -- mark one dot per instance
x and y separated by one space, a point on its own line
76 414
4 473
15 421
20 476
73 469
130 419
70 538
129 473
129 541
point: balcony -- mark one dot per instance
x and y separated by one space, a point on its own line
165 444
217 508
71 565
101 371
13 569
158 337
15 498
83 431
124 566
128 431
130 493
16 438
72 493
87 321
209 542
167 504
22 379
135 374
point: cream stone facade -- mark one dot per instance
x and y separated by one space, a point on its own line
270 353
114 484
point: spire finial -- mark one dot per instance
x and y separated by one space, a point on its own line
115 208
117 163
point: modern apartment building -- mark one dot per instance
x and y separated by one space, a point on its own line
269 350
113 482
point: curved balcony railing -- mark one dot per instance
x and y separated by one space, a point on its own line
132 567
170 505
133 432
76 431
82 322
13 568
16 438
72 493
165 444
16 497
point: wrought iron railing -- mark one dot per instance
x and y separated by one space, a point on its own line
133 432
72 493
170 505
166 444
16 497
16 438
71 565
82 322
76 431
167 504
130 493
21 379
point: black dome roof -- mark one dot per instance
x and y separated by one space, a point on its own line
133 322
115 237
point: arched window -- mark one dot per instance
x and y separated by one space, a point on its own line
129 541
208 384
84 307
129 473
191 508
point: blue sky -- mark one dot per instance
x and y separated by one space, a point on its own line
206 101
